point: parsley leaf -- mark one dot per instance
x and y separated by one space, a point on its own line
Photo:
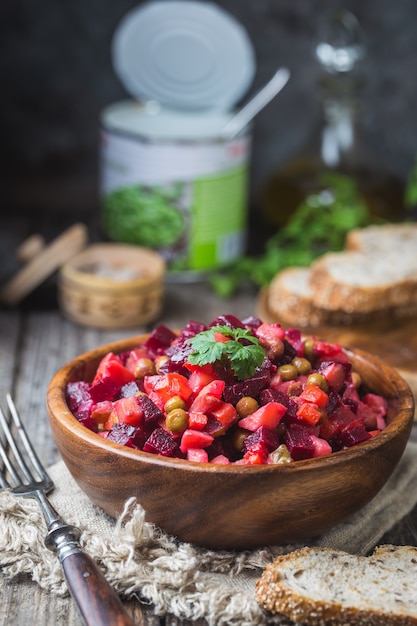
243 358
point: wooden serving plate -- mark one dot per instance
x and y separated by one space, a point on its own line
393 342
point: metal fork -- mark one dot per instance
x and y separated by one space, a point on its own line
22 472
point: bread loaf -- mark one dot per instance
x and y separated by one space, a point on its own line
324 587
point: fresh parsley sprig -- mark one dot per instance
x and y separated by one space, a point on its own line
242 356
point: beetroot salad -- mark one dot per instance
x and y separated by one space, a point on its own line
241 392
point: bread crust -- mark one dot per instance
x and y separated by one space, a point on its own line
279 590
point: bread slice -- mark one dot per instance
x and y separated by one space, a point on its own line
385 238
321 587
291 299
360 283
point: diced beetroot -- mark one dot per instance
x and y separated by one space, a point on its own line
323 349
350 392
160 442
178 354
197 455
268 415
220 459
214 427
251 322
200 377
225 413
129 410
192 328
271 337
251 387
299 442
157 400
123 434
168 385
110 377
77 393
289 353
271 395
227 320
321 446
269 331
335 374
151 413
101 411
132 358
131 389
376 403
159 340
266 436
197 421
352 434
208 398
256 455
295 338
195 439
335 422
334 401
105 389
80 403
222 446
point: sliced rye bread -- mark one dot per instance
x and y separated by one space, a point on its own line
292 299
380 239
325 587
356 282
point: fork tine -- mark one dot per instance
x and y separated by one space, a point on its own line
7 464
19 456
34 459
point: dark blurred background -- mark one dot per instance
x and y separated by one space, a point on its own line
56 76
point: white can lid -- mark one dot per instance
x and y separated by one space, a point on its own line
183 54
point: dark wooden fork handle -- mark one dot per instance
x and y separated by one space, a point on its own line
97 602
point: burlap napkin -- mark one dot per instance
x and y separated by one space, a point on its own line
178 578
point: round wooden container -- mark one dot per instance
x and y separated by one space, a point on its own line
112 286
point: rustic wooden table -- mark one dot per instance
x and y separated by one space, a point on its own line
35 340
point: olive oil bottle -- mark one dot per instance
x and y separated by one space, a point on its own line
337 145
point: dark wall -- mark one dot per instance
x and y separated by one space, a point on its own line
56 76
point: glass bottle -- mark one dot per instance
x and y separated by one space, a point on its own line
337 145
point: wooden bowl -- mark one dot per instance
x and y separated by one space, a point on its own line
232 506
112 286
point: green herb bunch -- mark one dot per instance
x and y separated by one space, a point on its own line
318 225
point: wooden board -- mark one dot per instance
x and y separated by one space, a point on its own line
394 342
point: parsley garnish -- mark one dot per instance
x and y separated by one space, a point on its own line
243 358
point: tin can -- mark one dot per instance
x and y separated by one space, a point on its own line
170 182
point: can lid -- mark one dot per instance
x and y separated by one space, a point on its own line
183 54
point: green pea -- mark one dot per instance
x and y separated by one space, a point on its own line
177 420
